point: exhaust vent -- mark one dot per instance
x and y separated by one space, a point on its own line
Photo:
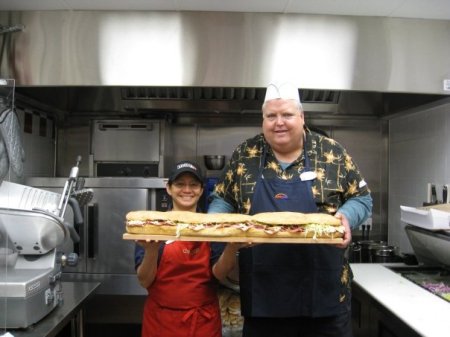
220 94
319 96
192 93
216 99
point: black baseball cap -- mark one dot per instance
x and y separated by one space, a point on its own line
186 166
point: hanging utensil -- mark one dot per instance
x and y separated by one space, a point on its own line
68 188
433 194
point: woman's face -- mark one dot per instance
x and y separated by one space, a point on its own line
185 191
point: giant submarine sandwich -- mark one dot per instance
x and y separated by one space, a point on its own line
263 225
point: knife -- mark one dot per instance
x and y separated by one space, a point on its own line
444 194
433 194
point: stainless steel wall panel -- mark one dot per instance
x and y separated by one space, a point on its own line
226 49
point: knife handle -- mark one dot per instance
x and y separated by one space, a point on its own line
433 194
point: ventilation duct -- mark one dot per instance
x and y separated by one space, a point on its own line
227 99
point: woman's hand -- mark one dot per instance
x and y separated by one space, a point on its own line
149 244
146 271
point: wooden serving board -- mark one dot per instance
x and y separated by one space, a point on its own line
128 236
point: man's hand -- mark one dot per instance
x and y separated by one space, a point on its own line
348 232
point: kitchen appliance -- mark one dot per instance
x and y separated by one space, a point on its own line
128 148
32 232
103 255
432 250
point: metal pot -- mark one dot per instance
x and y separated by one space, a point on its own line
383 254
354 253
366 246
214 162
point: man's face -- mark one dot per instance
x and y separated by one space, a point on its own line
283 123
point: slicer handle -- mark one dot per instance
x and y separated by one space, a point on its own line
77 215
73 233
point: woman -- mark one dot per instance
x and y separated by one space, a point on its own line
178 275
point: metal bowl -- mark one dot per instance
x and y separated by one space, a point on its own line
214 162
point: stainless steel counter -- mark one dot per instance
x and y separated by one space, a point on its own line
75 295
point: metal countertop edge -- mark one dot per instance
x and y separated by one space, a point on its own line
75 294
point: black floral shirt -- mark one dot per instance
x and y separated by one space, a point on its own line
338 177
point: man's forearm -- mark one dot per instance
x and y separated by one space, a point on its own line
357 210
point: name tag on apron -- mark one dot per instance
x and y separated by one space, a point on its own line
308 175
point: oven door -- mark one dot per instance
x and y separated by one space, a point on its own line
105 250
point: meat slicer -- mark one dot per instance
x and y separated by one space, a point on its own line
32 230
428 231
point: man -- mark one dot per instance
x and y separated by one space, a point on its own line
293 289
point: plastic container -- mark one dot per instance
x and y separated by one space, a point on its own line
433 218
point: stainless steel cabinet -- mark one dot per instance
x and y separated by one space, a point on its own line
105 251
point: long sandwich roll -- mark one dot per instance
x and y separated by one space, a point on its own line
150 222
294 224
185 223
265 225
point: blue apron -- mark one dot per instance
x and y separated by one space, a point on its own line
289 280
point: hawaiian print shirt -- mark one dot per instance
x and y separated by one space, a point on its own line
338 177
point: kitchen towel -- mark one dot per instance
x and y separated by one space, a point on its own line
11 137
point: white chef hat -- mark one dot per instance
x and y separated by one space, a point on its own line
284 90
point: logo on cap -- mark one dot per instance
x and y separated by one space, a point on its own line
187 165
281 196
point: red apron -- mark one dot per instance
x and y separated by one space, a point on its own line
182 300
